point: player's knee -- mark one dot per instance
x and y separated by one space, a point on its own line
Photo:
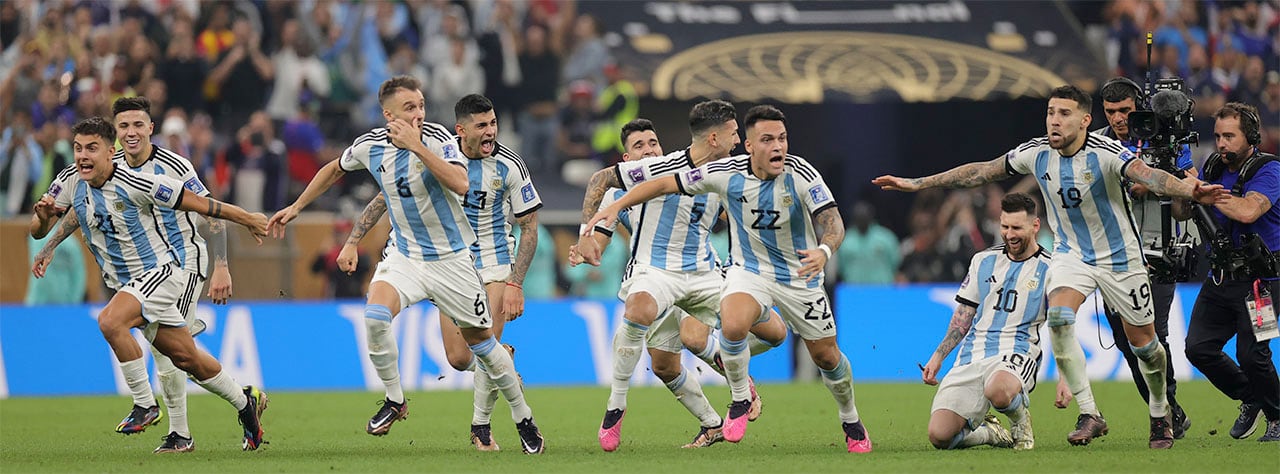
940 437
693 343
826 358
666 370
1060 316
1147 351
460 362
999 397
641 308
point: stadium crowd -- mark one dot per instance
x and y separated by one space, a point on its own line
259 94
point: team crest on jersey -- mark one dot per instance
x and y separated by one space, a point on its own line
164 193
419 166
819 194
495 183
1087 176
119 206
194 185
694 175
1032 284
786 200
526 193
55 190
636 175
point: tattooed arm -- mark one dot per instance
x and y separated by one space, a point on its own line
513 297
69 226
961 322
220 280
1165 184
255 222
964 176
349 256
588 249
829 227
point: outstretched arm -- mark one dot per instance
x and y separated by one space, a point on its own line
255 222
829 227
637 195
590 249
329 173
963 176
961 322
349 256
1165 184
45 255
220 280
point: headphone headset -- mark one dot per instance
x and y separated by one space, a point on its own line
1137 89
1250 124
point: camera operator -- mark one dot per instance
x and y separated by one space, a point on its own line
1243 259
1120 96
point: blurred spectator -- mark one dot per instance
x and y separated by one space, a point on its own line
602 282
337 283
205 158
48 107
618 105
452 81
540 76
587 55
540 281
241 76
1252 82
577 123
437 50
216 37
302 142
392 22
55 155
296 68
404 62
64 282
1182 31
256 161
497 45
183 71
140 63
19 164
1249 29
1270 113
173 133
869 253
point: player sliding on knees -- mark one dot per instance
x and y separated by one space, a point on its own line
421 175
996 323
775 201
673 270
498 184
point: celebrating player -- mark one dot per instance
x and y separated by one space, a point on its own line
774 203
997 326
498 184
154 287
1080 174
421 177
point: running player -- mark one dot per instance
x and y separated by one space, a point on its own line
774 203
997 326
1097 245
421 175
112 205
499 190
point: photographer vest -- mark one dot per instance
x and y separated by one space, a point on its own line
1213 168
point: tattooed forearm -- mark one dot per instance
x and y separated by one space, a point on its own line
1158 181
600 183
369 218
966 176
528 246
215 208
961 321
218 241
830 227
70 224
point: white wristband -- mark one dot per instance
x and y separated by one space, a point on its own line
825 249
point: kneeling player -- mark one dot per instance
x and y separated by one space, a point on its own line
996 325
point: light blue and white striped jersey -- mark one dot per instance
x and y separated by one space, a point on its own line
1010 299
117 221
427 221
499 189
179 227
769 220
1089 210
670 232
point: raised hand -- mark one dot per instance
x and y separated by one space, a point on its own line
282 218
894 183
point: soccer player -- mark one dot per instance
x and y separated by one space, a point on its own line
417 166
111 203
997 326
672 287
775 201
1120 97
499 189
134 127
1080 174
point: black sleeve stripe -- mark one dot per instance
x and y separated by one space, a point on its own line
437 132
617 171
179 163
132 182
1125 167
68 172
674 163
680 186
1008 168
966 302
512 156
181 193
1106 144
1035 142
801 167
604 231
529 210
721 168
823 208
378 134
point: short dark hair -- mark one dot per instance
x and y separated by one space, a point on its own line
1246 114
125 104
470 105
96 126
710 114
1119 89
1071 92
637 125
390 86
763 112
1018 202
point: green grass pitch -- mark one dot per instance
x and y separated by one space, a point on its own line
315 432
